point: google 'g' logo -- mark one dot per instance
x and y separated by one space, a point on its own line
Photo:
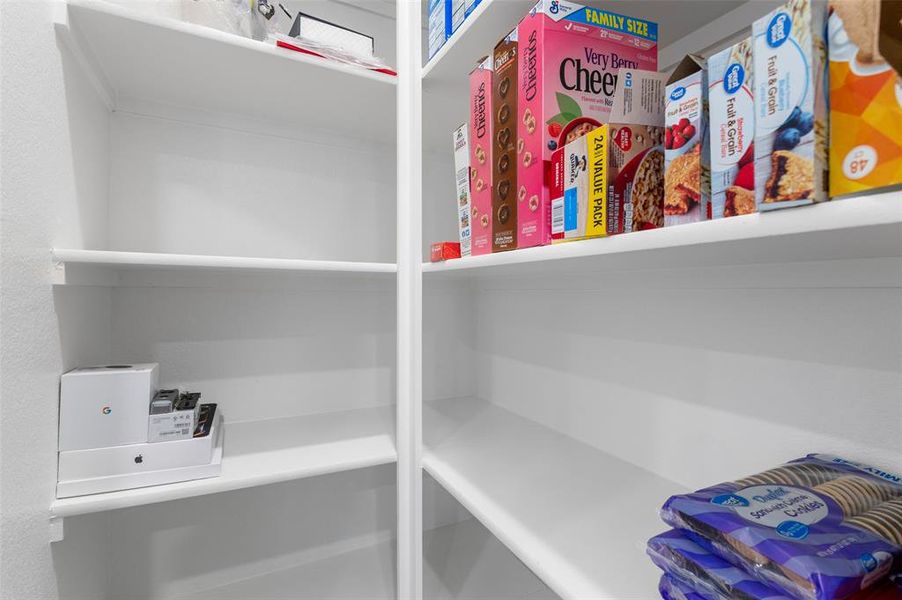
106 410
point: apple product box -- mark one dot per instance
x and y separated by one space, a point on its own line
462 175
504 154
687 175
865 95
731 113
569 58
481 152
789 54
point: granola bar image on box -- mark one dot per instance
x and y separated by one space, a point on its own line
738 201
682 192
791 177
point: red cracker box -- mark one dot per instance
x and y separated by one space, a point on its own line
445 251
569 58
481 158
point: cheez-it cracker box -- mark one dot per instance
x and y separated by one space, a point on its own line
569 58
865 42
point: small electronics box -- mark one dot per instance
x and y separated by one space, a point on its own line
118 432
99 470
106 406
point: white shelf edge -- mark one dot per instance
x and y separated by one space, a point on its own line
854 212
223 37
111 258
346 455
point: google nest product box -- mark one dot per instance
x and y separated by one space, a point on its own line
106 406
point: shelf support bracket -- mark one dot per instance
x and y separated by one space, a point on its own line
57 529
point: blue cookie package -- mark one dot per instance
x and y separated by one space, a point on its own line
689 560
673 589
817 528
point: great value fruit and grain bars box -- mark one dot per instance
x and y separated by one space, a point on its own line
481 142
731 110
687 175
462 175
569 58
790 105
504 154
865 95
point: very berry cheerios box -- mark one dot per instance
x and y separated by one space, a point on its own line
569 58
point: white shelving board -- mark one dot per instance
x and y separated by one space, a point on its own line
105 267
861 227
158 61
259 453
577 517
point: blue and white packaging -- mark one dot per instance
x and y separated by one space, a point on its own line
671 588
689 560
470 7
438 25
818 528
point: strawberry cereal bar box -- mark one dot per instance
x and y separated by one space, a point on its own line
687 174
731 107
569 57
481 158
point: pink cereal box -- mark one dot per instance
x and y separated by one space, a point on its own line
481 158
569 58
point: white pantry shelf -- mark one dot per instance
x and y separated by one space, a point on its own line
259 453
101 267
141 60
577 517
861 227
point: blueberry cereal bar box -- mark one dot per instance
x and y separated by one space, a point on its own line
731 110
816 528
865 95
789 51
687 175
569 57
481 143
505 196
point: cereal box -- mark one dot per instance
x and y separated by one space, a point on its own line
556 190
576 192
789 53
626 161
687 176
569 58
462 175
731 112
635 155
865 95
504 154
480 138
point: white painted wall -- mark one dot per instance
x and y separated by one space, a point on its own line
53 164
704 375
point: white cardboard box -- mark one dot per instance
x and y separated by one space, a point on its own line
98 470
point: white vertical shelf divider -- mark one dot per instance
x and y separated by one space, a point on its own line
410 302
